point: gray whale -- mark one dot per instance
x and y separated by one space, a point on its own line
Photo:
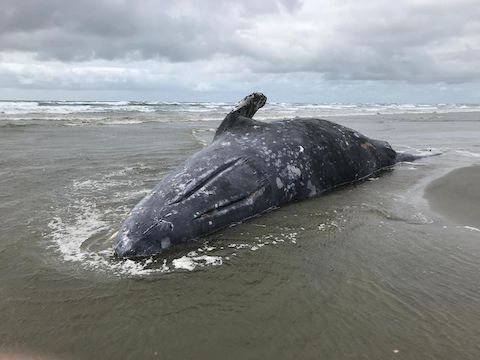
250 167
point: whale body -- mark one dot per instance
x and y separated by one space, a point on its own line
250 167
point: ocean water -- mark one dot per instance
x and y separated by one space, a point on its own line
113 111
370 271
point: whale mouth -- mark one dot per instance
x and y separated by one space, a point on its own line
128 248
131 253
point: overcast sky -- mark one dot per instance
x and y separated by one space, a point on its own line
204 50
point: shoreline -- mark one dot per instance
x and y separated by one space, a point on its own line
121 117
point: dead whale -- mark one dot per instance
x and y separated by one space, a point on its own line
250 167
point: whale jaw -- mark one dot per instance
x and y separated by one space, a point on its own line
127 246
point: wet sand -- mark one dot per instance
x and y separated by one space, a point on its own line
365 272
457 195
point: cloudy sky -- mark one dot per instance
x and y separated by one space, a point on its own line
192 50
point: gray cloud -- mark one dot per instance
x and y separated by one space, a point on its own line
423 43
202 45
117 29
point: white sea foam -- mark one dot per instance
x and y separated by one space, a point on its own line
122 122
472 228
420 218
190 263
270 239
69 235
283 109
421 151
468 153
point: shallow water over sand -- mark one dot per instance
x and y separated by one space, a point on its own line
368 272
457 195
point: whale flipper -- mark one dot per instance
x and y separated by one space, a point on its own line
250 104
241 116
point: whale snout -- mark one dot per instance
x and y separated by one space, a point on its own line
129 246
125 251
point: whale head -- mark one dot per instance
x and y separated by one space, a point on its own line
212 191
217 187
141 236
155 224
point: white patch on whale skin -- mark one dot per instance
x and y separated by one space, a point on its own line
279 183
165 243
293 171
311 188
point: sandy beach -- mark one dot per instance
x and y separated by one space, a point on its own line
365 271
146 212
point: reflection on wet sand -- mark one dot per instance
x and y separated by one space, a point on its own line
457 195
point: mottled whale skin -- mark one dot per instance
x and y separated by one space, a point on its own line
250 167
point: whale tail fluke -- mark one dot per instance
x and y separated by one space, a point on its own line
405 157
